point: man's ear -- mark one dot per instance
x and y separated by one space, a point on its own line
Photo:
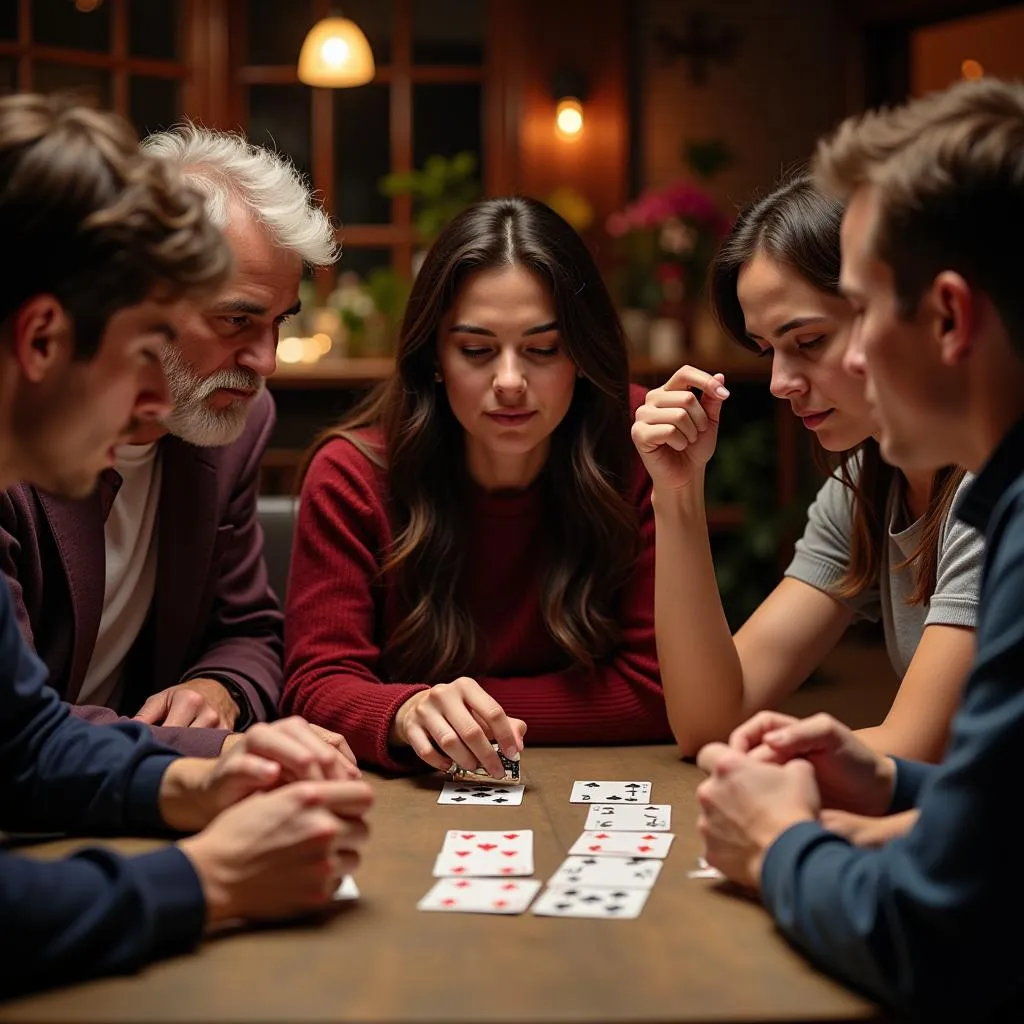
954 312
42 337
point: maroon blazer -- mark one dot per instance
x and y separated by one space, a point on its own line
213 612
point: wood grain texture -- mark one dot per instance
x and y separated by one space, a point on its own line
696 953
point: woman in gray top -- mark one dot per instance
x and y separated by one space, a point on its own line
879 542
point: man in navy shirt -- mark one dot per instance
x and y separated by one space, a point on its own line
931 264
102 242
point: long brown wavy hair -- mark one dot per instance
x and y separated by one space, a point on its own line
798 225
593 532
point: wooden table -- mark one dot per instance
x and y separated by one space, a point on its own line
696 953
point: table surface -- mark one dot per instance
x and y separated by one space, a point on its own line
697 952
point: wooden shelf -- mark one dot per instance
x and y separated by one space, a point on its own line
367 371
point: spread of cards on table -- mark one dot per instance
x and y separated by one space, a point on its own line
608 872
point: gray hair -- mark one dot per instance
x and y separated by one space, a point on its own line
226 166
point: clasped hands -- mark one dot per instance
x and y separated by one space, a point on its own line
278 816
777 771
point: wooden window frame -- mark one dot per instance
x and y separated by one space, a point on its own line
117 59
400 74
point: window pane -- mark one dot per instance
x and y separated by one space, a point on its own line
91 84
279 118
153 103
360 260
276 30
445 120
154 28
376 19
60 23
362 154
448 31
8 20
8 75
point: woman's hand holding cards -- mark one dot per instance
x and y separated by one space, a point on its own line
456 722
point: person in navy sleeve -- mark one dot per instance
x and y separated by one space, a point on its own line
930 261
103 242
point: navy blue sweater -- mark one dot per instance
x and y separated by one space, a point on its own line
929 923
93 913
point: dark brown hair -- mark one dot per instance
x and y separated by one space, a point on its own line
593 536
948 170
798 225
89 219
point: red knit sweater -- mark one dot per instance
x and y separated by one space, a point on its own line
336 614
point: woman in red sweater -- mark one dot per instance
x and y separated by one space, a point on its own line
474 551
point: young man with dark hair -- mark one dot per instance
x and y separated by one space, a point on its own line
930 261
107 241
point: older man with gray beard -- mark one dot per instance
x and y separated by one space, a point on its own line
150 598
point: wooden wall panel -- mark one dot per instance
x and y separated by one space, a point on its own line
588 37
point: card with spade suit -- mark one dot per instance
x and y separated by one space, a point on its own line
590 901
479 794
590 792
630 818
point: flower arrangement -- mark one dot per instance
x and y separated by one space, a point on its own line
667 238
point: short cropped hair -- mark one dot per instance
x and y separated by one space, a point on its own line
948 171
89 219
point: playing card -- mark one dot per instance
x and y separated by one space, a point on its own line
631 818
347 890
623 844
478 794
607 872
471 853
584 792
480 895
589 901
510 764
704 870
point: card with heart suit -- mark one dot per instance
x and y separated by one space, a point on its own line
587 792
472 853
630 818
607 872
623 844
347 890
590 901
480 895
479 794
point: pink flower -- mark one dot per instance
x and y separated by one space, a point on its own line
617 224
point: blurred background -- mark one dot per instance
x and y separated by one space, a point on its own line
646 123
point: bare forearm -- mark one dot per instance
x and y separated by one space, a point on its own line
895 742
701 671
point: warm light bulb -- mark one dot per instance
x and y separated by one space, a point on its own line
971 69
323 342
569 118
310 350
86 6
335 54
335 51
289 350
